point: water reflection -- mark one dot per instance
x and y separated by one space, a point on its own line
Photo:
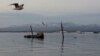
62 50
36 40
62 45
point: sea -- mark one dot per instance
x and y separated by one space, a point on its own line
74 44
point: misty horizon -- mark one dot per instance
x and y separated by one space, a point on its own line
53 27
10 19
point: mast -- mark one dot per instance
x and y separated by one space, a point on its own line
62 44
31 30
62 34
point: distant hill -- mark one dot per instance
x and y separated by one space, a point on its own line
53 27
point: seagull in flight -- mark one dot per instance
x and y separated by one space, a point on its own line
17 6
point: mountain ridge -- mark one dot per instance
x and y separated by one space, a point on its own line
53 27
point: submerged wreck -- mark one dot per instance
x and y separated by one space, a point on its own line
39 35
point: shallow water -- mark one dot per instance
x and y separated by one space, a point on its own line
14 44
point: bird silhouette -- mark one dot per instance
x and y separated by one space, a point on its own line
17 6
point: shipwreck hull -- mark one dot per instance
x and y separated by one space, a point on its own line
38 35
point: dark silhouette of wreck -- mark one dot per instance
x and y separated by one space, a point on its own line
39 35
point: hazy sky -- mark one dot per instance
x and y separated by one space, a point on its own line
75 11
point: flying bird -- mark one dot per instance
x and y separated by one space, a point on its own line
17 6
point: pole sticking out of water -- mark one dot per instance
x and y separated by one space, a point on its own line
31 36
31 30
62 33
62 44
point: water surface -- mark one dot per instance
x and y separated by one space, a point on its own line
14 44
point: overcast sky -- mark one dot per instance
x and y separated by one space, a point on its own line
36 11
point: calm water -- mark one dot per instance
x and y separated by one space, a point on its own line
14 44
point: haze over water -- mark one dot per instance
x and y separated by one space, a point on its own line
14 44
82 12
